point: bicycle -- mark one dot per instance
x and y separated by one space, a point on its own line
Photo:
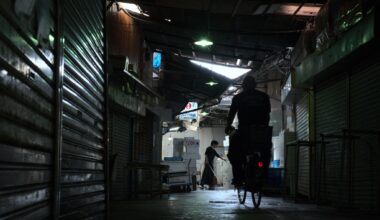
253 170
256 163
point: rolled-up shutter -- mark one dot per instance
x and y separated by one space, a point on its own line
121 147
331 111
83 153
26 116
365 115
302 128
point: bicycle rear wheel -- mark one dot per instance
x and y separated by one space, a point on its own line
242 194
256 198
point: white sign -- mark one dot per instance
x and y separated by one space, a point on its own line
190 115
192 148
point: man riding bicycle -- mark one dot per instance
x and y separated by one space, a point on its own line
253 109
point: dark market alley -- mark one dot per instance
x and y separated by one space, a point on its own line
180 109
223 204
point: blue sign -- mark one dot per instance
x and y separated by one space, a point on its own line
156 60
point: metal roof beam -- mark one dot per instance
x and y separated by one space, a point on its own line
174 49
189 39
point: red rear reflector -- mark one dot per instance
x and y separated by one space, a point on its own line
260 164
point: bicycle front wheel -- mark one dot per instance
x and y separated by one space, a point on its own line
242 194
256 199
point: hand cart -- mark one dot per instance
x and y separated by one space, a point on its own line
178 177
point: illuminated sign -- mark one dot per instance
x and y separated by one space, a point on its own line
156 60
190 115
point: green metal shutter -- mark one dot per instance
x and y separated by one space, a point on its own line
121 146
83 154
26 118
365 114
302 129
331 108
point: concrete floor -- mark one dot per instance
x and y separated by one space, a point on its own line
223 204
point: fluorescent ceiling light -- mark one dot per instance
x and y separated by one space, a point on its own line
227 71
238 62
132 8
51 38
212 83
232 88
174 129
203 43
3 72
204 113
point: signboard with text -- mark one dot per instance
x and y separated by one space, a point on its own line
190 115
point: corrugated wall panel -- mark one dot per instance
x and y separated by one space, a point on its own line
365 114
26 117
331 111
83 153
144 139
121 147
302 129
143 151
302 119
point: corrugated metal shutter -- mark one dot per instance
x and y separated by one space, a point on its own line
365 114
302 128
121 146
26 118
143 152
144 139
331 108
302 118
290 167
83 153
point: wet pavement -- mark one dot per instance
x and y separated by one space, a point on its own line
223 204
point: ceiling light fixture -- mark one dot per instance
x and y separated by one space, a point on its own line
232 88
174 129
51 38
168 19
203 113
227 71
238 62
212 83
130 7
203 43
